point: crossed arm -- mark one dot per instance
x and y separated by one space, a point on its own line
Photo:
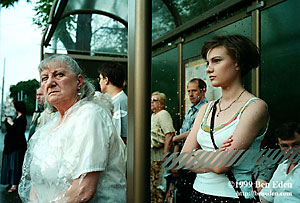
251 124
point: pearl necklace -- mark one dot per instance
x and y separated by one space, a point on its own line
229 104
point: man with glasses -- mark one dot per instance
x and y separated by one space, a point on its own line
112 80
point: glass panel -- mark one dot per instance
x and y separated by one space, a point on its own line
115 7
162 21
165 66
193 48
189 9
280 49
90 34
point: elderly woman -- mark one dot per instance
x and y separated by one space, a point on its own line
237 114
162 122
77 156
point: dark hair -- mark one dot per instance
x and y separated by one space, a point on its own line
114 72
201 83
287 130
20 107
240 48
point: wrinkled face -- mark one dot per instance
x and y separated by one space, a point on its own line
155 103
103 83
195 93
290 144
221 68
40 96
60 85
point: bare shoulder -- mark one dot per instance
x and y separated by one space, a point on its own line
259 104
203 107
202 110
258 109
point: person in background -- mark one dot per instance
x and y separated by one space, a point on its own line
160 121
112 80
284 185
196 89
238 113
77 156
34 124
14 147
41 116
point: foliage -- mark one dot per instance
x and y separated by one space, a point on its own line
162 20
109 36
83 32
9 3
29 93
42 9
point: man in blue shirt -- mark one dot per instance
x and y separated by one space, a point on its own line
196 90
184 184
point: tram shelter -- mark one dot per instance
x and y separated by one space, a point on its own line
159 43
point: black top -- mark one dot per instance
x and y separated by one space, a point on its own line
15 136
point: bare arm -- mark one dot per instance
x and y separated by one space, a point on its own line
168 142
83 188
32 195
251 124
191 141
181 137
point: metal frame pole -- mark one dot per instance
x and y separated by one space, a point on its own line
256 27
139 91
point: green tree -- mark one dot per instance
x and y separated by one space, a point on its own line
28 89
82 32
8 3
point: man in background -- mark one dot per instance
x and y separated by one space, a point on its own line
112 80
34 124
285 185
184 179
196 90
41 116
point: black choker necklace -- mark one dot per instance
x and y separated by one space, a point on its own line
220 110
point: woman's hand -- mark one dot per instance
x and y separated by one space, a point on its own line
10 121
32 195
226 144
181 137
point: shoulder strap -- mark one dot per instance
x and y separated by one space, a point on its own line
212 123
229 174
246 105
206 111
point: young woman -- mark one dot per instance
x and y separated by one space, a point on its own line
238 113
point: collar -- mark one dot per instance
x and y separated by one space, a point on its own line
199 104
117 94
